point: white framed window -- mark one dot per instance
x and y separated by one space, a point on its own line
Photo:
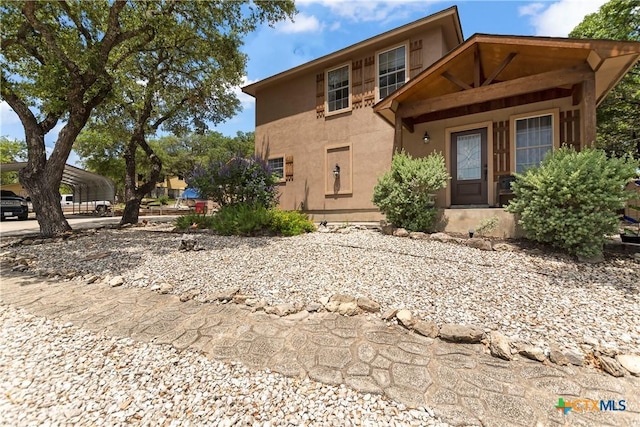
276 165
534 138
338 84
392 70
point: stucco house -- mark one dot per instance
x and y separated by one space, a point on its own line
493 105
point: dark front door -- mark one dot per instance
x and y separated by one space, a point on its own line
469 167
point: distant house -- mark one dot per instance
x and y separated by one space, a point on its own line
493 105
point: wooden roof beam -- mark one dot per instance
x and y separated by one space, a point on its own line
453 79
501 67
518 86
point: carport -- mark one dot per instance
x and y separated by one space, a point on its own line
87 186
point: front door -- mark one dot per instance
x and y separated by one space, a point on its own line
469 167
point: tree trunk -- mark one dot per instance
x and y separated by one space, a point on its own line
41 179
131 211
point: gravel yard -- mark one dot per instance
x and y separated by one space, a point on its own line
528 295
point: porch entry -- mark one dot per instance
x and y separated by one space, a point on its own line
469 172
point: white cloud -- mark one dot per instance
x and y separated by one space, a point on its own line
7 115
247 101
302 23
558 19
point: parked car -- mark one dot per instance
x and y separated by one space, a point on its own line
99 206
12 205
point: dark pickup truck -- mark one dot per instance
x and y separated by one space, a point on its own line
12 205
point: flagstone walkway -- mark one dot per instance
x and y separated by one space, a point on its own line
460 382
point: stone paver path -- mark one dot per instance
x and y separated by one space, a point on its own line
460 382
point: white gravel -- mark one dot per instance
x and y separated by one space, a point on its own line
536 297
55 374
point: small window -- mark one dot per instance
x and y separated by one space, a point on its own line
338 89
277 166
534 139
391 71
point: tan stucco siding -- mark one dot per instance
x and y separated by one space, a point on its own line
287 124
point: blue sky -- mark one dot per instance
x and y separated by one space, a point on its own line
324 26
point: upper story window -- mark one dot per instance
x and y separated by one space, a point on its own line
277 166
392 70
534 138
338 89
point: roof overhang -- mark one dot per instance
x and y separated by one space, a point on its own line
87 185
489 68
447 19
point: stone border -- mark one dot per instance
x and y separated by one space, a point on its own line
496 344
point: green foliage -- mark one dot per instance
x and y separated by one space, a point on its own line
618 116
239 180
405 194
242 219
11 151
251 219
571 200
186 221
290 223
487 226
164 200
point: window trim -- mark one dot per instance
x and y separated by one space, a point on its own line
377 65
555 129
279 156
326 89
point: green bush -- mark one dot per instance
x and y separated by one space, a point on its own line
164 200
405 193
241 219
571 200
248 219
187 221
290 223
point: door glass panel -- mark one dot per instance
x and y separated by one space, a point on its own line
468 153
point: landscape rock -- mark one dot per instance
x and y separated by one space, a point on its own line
387 229
401 232
116 281
405 318
630 362
313 307
461 333
426 328
533 353
187 243
574 357
228 294
348 308
166 288
367 304
505 247
342 298
557 356
284 309
389 314
332 306
611 366
441 237
499 346
478 243
418 235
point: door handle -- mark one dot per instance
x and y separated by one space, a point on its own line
486 172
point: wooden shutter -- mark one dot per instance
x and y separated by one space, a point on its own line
570 128
320 95
356 87
288 170
369 95
415 58
501 150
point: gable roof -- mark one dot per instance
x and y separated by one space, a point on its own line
448 19
488 67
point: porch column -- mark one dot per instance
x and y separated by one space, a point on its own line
588 112
397 138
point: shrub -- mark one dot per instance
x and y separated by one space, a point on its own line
240 180
164 200
571 200
187 221
405 193
487 225
290 223
241 219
